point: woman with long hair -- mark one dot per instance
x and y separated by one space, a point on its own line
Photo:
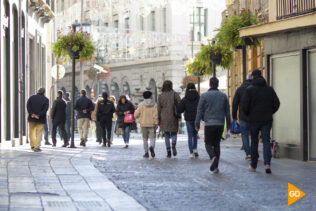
189 105
168 121
124 107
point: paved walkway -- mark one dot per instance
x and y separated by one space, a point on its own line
57 179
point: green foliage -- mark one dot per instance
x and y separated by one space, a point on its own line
201 65
76 41
228 33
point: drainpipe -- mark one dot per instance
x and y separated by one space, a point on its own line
20 74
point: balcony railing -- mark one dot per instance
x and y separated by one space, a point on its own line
291 8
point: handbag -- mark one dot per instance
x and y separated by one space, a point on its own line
176 114
129 118
235 127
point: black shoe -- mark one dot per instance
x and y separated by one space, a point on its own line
174 150
47 143
37 150
109 143
54 145
81 142
66 144
169 153
268 169
214 163
146 155
196 154
126 146
152 152
84 144
104 145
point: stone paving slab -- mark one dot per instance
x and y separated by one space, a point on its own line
57 179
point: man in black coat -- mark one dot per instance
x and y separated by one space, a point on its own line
37 106
104 116
259 103
58 115
243 119
84 107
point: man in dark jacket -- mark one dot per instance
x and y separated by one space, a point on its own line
259 103
243 119
104 116
37 106
214 109
58 115
84 107
68 114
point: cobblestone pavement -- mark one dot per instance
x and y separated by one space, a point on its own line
186 184
57 179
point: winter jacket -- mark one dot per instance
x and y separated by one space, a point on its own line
147 113
237 99
84 103
260 101
213 108
37 104
167 121
189 105
58 112
120 109
105 110
68 108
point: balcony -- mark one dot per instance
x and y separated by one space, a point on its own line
42 10
290 8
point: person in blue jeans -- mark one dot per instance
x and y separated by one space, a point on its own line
259 103
189 105
124 107
243 118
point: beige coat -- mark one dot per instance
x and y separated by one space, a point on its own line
147 114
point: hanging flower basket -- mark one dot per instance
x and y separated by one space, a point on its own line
216 59
75 45
94 74
189 79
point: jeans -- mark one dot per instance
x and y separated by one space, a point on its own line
106 127
213 136
244 129
113 130
265 129
46 132
168 136
192 136
126 133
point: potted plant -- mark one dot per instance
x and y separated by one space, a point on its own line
228 33
75 45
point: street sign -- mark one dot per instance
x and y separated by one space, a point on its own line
58 71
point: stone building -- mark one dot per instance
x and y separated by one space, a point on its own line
25 60
290 46
142 45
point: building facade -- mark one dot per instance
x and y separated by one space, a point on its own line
290 46
25 38
142 45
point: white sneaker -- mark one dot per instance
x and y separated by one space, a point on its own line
251 169
191 155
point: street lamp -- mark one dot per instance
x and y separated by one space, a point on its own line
72 144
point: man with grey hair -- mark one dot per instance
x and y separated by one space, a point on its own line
37 106
243 119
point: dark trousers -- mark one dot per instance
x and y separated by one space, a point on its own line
213 135
106 128
67 127
61 126
265 129
98 131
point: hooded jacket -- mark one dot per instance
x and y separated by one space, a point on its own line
189 105
147 113
237 101
260 101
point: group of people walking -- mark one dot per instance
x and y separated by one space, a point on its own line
255 100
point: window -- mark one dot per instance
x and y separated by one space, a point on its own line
164 13
106 24
198 23
127 24
205 22
116 24
62 5
153 21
